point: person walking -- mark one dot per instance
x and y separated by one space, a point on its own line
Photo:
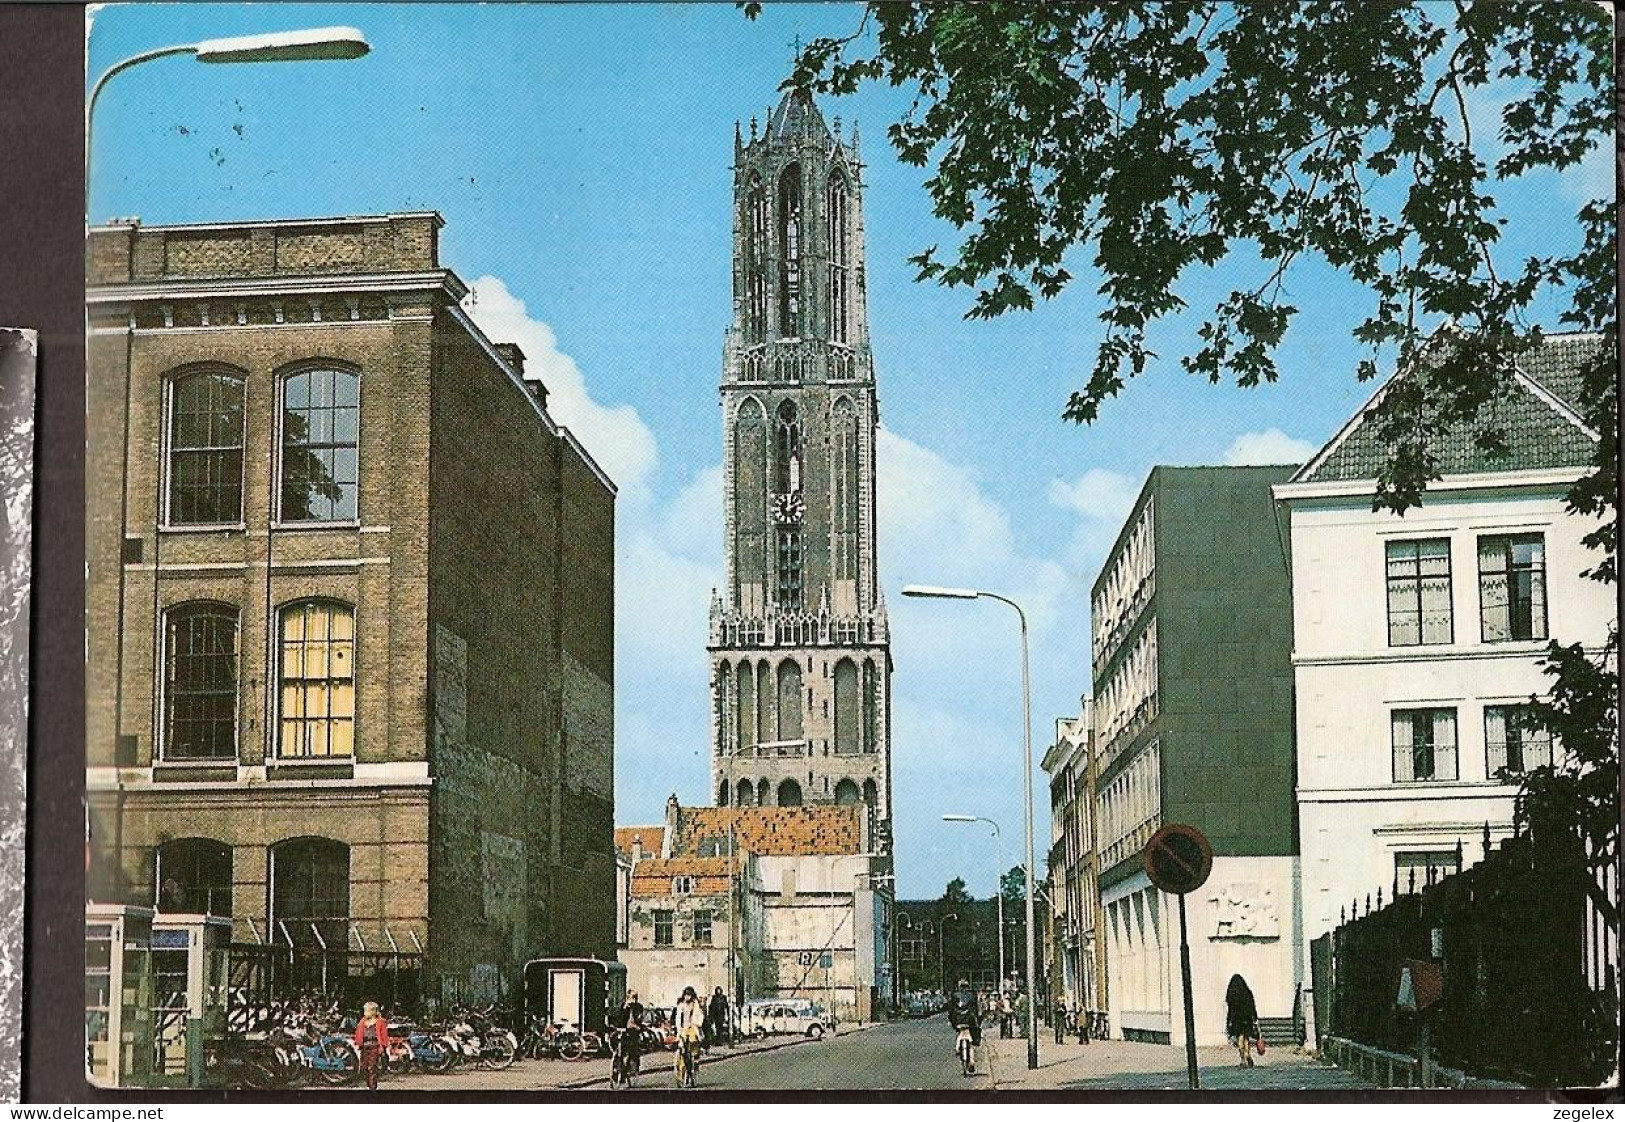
1241 1017
1059 1017
1007 1015
372 1039
717 1015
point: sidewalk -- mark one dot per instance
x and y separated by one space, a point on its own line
554 1075
1105 1064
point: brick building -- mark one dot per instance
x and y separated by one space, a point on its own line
349 605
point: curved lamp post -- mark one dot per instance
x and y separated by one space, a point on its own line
317 44
937 593
998 886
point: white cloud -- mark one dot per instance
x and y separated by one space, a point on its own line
614 434
1102 500
1097 493
1272 446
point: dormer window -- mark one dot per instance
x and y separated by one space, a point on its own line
682 886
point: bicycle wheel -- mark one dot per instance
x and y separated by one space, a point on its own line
346 1057
498 1051
571 1046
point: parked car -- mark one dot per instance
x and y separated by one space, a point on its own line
794 1017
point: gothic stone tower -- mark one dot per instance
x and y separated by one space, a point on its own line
800 654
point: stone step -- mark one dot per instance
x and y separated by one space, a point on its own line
1278 1031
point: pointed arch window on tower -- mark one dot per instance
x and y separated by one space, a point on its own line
756 261
839 258
790 252
787 505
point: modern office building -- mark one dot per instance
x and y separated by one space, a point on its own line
1191 647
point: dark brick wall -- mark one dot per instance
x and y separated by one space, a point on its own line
516 537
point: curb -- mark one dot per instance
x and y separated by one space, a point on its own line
791 1042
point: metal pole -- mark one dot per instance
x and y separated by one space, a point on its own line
1027 771
1190 1013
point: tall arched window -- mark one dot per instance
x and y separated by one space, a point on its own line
790 252
848 733
839 258
871 706
747 793
757 234
846 793
200 682
789 793
786 448
844 434
763 791
724 794
744 706
205 449
871 793
787 486
766 709
321 426
789 700
310 893
750 515
724 718
317 710
193 875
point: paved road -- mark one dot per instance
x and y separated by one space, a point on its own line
908 1055
913 1056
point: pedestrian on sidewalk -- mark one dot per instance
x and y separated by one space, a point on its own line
717 1017
1241 1017
1059 1017
1007 1014
372 1039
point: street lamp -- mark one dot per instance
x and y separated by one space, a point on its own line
898 921
317 44
937 593
998 881
942 963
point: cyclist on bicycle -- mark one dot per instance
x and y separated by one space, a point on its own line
688 1019
625 1025
965 1015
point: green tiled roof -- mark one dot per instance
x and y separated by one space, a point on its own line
1538 434
1557 362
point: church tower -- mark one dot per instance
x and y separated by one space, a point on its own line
800 654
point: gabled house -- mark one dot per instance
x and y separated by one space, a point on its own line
763 902
1418 639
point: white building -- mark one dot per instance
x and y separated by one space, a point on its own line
1417 637
801 912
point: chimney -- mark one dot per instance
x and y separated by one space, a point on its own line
513 356
673 812
637 849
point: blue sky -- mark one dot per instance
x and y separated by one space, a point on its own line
580 156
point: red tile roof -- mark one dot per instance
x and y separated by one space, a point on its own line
653 877
653 838
771 831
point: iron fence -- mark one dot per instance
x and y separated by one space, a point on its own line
1529 958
